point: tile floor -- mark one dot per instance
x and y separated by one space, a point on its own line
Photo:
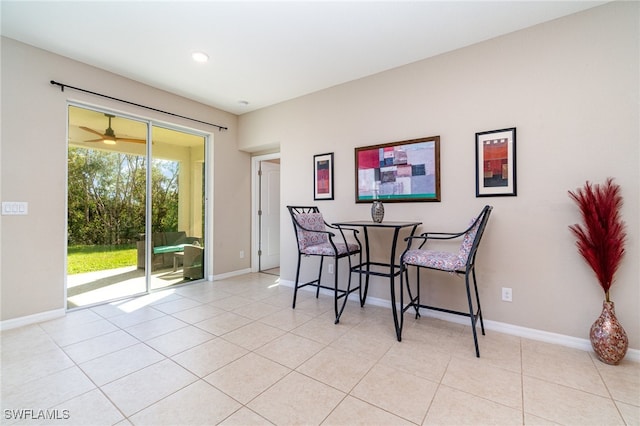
233 352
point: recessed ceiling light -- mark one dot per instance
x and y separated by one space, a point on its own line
200 57
243 102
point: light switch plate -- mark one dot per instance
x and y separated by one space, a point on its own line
14 208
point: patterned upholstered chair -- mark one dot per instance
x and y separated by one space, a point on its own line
462 262
315 238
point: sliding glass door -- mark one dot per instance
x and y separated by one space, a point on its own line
134 225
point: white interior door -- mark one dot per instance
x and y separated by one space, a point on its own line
269 249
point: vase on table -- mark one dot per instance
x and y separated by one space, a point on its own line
377 211
608 338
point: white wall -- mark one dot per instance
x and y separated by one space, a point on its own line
33 158
571 89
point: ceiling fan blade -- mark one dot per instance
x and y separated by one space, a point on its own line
94 140
91 131
132 140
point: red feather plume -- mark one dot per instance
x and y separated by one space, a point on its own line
601 238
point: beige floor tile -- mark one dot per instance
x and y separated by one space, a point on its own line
230 303
67 334
485 381
290 350
20 342
223 323
207 357
402 394
432 376
256 310
297 399
573 368
337 367
196 291
71 319
531 420
498 349
136 317
99 346
247 377
417 358
360 341
156 327
283 299
630 413
47 391
118 364
179 340
199 313
34 365
454 407
321 331
286 319
91 408
253 335
109 310
308 304
353 411
196 404
622 380
245 417
566 405
177 305
145 387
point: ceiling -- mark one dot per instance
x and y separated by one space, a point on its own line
263 52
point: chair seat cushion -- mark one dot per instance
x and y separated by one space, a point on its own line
325 249
445 261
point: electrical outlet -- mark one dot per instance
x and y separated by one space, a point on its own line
507 294
331 268
241 254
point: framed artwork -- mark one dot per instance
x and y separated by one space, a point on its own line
405 171
323 177
496 163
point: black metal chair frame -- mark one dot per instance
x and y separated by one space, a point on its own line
469 271
338 292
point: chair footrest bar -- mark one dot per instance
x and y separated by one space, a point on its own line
449 311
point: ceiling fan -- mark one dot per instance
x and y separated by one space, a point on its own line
109 137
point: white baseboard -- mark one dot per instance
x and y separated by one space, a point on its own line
501 327
31 319
229 274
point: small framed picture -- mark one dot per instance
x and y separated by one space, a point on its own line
496 163
323 176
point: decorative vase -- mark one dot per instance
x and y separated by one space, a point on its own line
377 211
608 338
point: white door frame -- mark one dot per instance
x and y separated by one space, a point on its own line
255 202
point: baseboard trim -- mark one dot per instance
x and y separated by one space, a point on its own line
501 327
31 319
229 274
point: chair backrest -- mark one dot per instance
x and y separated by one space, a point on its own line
307 219
471 239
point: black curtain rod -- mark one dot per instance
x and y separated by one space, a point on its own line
62 86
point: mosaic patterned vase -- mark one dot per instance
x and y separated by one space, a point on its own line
608 338
377 211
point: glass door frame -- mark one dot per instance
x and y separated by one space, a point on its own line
207 201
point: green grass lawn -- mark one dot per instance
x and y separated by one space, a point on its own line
98 258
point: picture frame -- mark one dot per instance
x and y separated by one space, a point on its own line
323 176
496 163
404 171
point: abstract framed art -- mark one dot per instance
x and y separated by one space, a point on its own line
405 171
323 176
496 163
